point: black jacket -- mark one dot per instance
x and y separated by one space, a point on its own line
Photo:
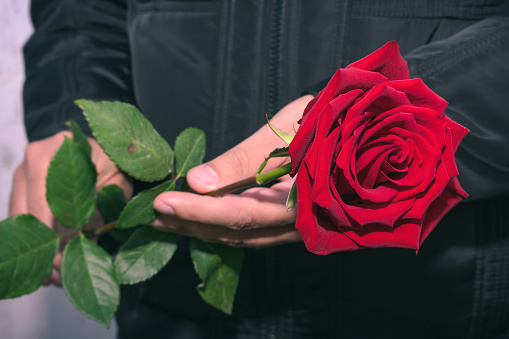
220 66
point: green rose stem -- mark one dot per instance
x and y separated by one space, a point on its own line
257 179
91 233
101 230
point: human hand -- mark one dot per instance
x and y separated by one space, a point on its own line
28 193
255 218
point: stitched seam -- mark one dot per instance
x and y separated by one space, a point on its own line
227 70
219 110
257 120
477 291
437 11
333 54
462 53
295 23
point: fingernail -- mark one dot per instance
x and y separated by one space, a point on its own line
205 175
158 222
163 208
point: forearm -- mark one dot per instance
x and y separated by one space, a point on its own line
470 71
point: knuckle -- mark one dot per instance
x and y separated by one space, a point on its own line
18 172
178 228
241 221
174 225
234 243
31 153
241 160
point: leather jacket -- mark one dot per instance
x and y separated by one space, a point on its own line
221 66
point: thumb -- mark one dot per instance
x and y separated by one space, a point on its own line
243 160
238 163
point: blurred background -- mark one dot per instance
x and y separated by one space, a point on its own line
47 313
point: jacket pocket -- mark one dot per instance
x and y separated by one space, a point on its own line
173 57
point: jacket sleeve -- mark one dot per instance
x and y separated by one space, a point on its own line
471 71
79 49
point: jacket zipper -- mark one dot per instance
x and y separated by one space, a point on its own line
274 80
275 57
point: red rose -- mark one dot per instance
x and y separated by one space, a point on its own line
374 159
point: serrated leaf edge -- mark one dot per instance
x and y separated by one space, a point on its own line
156 271
33 250
202 135
54 242
77 133
201 286
229 307
66 139
119 225
291 201
86 313
169 166
286 137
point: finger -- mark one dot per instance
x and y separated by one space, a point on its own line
216 234
38 156
254 208
18 199
108 172
36 193
53 279
243 160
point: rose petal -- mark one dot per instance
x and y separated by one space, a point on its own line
369 163
450 197
372 169
386 60
353 79
401 125
458 132
419 94
320 235
432 192
376 101
321 193
448 155
404 234
346 161
327 119
307 131
365 212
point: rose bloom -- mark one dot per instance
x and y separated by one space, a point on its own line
374 159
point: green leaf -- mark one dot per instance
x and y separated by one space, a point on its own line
185 186
79 137
218 266
27 250
139 210
129 139
89 279
70 185
277 153
291 202
189 150
110 202
144 254
286 137
122 235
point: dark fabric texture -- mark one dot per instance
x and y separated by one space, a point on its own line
221 66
